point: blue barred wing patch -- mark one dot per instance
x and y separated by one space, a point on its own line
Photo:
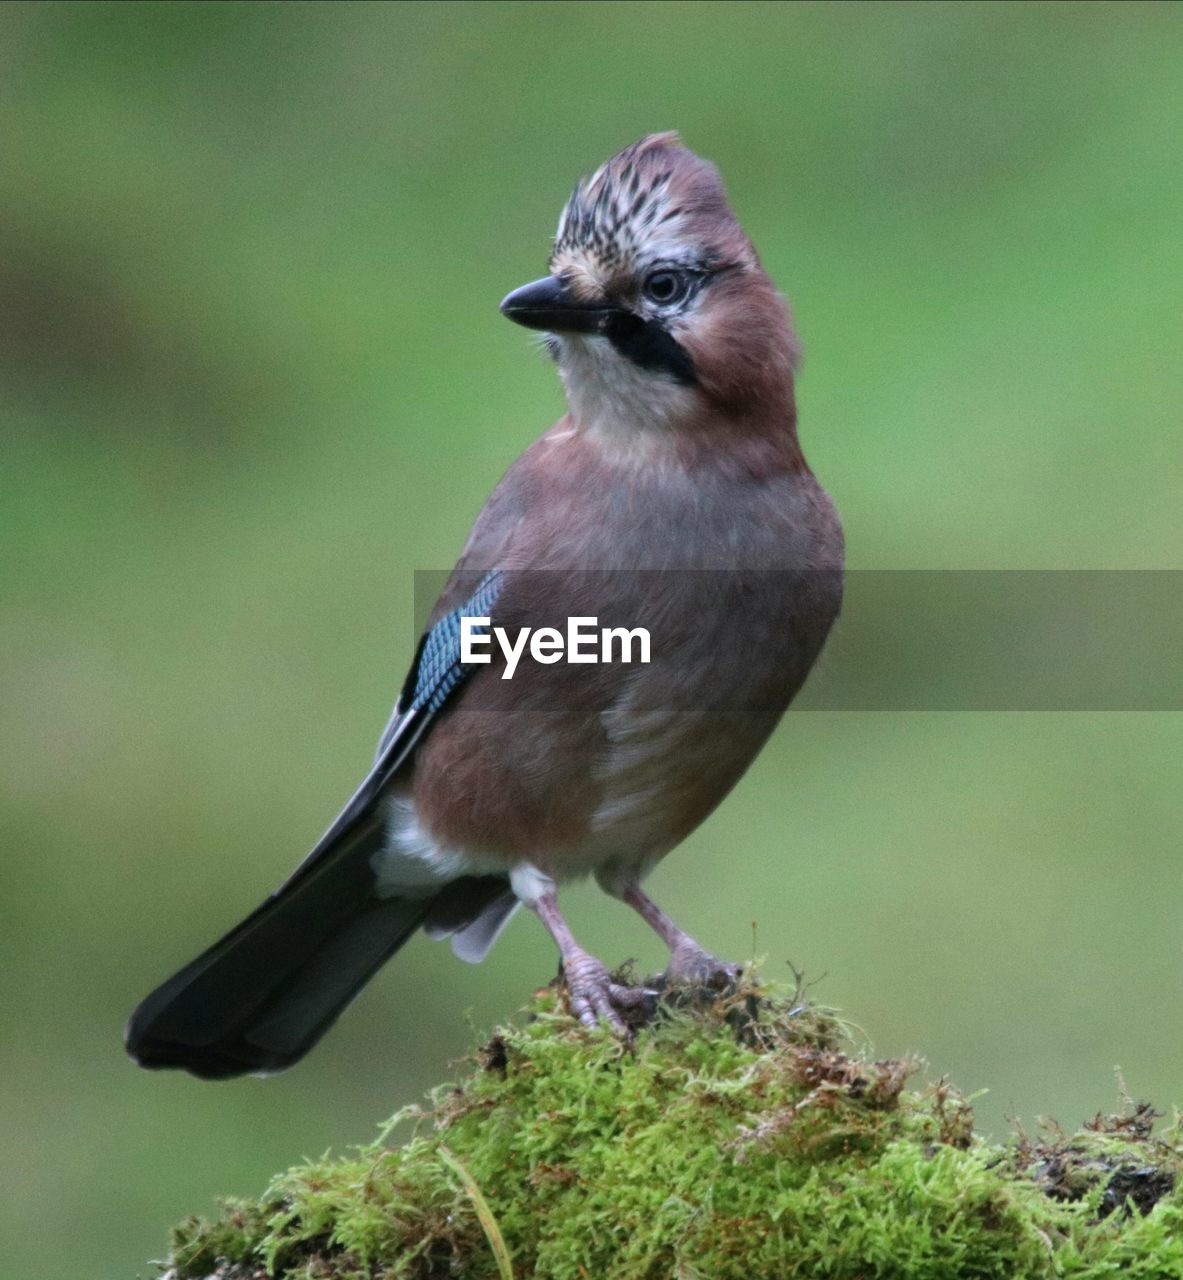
439 670
434 676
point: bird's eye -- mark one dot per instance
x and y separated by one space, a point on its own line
665 287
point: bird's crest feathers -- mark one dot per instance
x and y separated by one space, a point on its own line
655 200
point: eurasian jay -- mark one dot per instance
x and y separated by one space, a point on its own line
673 496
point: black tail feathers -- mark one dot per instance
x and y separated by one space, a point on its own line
259 999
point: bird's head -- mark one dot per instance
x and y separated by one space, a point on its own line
656 305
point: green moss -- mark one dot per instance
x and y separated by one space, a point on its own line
736 1136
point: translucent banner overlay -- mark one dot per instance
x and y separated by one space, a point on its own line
906 640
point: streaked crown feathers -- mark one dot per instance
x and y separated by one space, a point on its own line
653 201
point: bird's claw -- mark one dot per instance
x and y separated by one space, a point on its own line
595 998
693 965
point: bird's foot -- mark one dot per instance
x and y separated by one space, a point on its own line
692 965
594 997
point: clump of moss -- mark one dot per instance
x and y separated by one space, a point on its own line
737 1135
1115 1163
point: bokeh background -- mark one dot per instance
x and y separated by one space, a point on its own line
252 376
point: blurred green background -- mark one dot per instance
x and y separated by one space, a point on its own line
253 376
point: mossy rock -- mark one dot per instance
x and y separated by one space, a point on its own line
737 1136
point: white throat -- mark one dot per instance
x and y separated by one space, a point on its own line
611 396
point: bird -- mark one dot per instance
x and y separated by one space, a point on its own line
672 496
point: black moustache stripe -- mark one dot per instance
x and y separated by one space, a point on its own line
648 345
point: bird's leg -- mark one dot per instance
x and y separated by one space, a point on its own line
594 996
689 960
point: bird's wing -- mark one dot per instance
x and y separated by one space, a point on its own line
436 674
260 997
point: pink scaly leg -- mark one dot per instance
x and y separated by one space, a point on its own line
594 996
689 961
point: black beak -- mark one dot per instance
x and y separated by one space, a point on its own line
549 304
